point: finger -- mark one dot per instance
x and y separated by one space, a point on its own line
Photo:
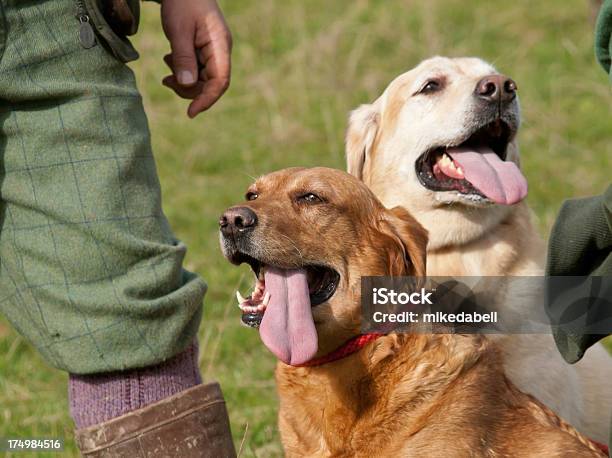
210 93
202 74
217 62
190 92
168 61
183 60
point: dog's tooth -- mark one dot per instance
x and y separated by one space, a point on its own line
240 298
460 171
266 299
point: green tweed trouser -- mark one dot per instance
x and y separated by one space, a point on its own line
90 272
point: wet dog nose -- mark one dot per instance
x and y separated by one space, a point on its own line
237 220
496 88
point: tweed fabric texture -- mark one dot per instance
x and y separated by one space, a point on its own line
90 271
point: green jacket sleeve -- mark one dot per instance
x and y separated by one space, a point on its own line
581 238
581 245
603 36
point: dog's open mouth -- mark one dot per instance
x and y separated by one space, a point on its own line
322 282
281 303
476 168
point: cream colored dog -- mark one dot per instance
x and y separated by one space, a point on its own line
441 141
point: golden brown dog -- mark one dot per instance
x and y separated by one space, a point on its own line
310 235
441 141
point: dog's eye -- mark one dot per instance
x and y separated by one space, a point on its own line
310 198
430 86
251 195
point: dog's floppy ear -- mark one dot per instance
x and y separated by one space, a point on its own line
404 242
360 135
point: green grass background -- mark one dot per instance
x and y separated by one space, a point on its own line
298 68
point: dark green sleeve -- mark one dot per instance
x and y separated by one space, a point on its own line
581 238
603 36
581 245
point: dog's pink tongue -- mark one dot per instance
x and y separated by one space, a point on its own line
500 181
287 327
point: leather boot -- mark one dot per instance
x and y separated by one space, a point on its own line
190 424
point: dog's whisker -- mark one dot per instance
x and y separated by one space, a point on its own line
294 245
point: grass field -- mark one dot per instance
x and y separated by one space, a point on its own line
299 67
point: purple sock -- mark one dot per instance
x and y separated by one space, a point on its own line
100 397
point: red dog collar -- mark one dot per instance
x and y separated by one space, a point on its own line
347 348
603 447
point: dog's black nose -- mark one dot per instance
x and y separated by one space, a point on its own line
237 220
496 88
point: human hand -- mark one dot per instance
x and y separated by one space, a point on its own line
201 46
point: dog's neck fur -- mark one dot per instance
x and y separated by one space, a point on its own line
501 250
402 394
390 385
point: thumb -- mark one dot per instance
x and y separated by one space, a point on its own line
184 63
